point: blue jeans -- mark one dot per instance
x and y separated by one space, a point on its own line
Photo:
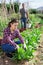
7 48
23 21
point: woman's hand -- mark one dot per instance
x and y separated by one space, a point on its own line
24 46
17 46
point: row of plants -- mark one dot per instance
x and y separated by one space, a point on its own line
36 19
16 7
40 16
32 41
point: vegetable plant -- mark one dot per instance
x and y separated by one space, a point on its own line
31 40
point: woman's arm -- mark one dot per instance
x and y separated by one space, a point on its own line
20 37
8 38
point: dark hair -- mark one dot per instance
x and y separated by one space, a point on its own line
12 21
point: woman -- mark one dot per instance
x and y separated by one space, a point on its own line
9 34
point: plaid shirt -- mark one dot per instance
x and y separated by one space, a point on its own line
9 37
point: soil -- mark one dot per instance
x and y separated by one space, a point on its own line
38 59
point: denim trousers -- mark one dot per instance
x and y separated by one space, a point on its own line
7 48
23 22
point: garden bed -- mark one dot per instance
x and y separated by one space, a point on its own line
32 39
36 61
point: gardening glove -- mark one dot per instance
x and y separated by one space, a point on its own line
24 46
17 47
